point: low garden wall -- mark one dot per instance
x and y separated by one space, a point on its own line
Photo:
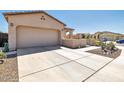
74 43
91 42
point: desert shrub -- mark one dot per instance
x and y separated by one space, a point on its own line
2 55
98 43
6 47
111 46
103 45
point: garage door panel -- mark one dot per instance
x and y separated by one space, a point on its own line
32 37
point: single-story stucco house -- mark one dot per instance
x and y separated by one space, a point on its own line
34 29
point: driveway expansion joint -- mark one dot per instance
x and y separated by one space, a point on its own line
85 66
72 52
69 60
55 66
44 69
98 70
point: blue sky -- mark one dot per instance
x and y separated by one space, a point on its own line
84 21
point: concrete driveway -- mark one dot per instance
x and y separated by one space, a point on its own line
58 64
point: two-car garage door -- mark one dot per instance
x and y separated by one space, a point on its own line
33 37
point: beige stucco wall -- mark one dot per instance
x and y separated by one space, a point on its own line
74 43
33 20
91 42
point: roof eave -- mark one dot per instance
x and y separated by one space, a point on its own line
16 13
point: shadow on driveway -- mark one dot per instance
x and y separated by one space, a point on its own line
33 50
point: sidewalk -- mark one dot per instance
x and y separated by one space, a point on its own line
113 72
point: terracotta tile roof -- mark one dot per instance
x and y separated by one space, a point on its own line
31 12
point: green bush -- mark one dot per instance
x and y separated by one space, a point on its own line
98 43
108 46
103 44
6 47
2 55
111 46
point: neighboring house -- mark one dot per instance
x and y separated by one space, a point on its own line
67 33
33 29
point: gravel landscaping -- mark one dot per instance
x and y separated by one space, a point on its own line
9 70
98 51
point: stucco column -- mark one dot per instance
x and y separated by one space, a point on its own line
12 38
61 36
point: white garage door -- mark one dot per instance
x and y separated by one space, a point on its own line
33 37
